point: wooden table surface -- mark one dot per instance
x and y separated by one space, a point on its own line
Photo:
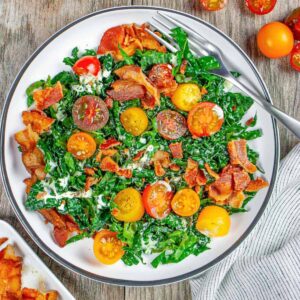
25 24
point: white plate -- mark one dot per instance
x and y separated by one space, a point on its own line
47 60
34 271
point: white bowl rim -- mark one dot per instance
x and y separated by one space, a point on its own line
39 241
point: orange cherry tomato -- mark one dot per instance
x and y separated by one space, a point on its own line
87 65
108 249
261 7
295 57
275 40
213 221
185 203
212 5
293 21
205 119
81 145
129 206
157 199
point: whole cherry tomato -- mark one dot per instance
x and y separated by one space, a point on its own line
293 21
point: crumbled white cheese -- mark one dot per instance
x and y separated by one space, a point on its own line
143 140
106 73
227 86
63 182
218 110
52 165
173 60
100 202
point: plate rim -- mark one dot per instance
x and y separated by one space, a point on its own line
28 227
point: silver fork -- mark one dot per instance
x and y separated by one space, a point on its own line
201 46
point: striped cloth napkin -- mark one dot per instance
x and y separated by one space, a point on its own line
267 264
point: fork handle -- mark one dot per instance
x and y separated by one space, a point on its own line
290 123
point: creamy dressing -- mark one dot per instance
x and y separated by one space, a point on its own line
63 182
219 111
143 161
100 203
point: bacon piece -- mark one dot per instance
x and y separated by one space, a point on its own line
139 155
148 102
238 155
221 189
89 171
210 171
3 240
33 160
236 199
61 236
48 96
183 66
27 139
134 73
193 175
98 156
29 182
174 167
90 181
124 90
161 160
241 180
176 150
125 173
109 143
52 216
256 185
203 91
108 164
109 152
38 120
249 122
109 102
32 294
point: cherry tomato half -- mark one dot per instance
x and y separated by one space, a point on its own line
213 5
293 21
157 199
87 65
108 249
275 40
295 57
129 206
205 119
161 75
213 221
185 203
90 113
134 120
171 125
81 145
261 7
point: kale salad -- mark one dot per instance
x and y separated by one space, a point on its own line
143 150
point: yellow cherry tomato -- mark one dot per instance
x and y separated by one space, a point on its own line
275 40
108 249
81 145
186 96
213 221
185 203
129 206
134 120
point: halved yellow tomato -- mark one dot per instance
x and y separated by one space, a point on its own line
134 120
186 96
129 206
213 221
185 203
108 249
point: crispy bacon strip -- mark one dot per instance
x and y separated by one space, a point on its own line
125 173
176 150
193 175
238 155
29 182
108 164
174 167
135 73
236 199
160 160
256 185
124 90
139 155
27 139
241 180
109 102
33 160
211 172
90 181
109 143
32 294
221 189
48 96
38 120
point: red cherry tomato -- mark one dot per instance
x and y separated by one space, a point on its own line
295 57
293 21
157 199
213 5
87 65
261 7
90 113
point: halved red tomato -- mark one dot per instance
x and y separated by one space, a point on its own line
212 5
87 65
90 113
293 21
171 125
261 7
295 57
157 199
161 75
205 119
